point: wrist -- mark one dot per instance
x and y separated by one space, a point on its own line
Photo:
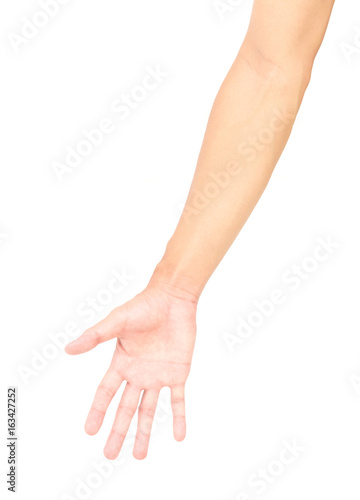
171 280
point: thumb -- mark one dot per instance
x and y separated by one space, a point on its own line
108 328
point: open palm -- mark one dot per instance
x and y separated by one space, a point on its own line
155 334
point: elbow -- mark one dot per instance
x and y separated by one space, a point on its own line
291 74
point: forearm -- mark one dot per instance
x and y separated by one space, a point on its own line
249 125
248 128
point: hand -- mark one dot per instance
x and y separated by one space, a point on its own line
155 340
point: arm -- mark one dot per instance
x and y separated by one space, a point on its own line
248 128
249 125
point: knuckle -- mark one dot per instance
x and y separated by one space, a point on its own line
143 433
96 335
149 412
103 389
178 401
127 410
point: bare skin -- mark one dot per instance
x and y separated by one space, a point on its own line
248 128
155 340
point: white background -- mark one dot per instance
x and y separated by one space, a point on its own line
292 379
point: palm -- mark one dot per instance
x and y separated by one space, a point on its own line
157 347
155 340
